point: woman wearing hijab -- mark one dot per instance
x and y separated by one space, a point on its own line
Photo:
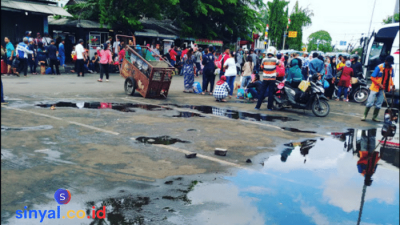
329 78
294 76
189 62
105 60
221 90
344 82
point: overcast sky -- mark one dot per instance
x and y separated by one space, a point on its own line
345 20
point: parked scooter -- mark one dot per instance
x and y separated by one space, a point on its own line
359 91
313 98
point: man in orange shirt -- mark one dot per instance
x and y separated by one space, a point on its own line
381 82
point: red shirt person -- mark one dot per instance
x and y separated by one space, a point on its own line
173 54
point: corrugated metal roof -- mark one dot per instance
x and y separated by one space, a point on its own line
34 7
73 23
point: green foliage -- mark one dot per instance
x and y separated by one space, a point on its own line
389 19
278 20
223 19
300 17
213 19
324 38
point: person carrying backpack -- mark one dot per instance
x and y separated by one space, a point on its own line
294 76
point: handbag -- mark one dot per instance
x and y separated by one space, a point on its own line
326 84
354 80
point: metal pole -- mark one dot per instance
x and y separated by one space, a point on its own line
284 39
362 204
372 15
396 10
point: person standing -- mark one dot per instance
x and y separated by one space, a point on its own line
316 65
208 71
230 72
342 62
344 82
356 66
79 50
105 60
22 54
173 54
329 78
189 61
199 58
382 81
224 57
52 52
239 60
248 69
116 47
268 65
10 54
61 52
42 57
280 70
32 58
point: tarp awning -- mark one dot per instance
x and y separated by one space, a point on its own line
73 23
33 7
153 34
209 42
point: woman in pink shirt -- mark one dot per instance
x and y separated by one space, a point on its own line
105 60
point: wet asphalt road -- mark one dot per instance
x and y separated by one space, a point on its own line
128 153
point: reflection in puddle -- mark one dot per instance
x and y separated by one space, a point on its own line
297 130
162 140
233 114
42 127
188 115
123 107
345 181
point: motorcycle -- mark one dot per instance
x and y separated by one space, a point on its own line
359 91
313 98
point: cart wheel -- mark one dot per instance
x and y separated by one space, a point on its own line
130 86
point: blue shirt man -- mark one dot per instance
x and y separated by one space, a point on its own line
61 52
316 65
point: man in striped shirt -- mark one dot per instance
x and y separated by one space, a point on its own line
268 65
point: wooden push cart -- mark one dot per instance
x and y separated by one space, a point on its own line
144 71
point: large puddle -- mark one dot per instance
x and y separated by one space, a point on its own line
123 107
233 114
343 179
340 180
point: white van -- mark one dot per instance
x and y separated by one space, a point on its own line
383 42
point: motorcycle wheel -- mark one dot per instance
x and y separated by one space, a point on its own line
361 95
322 109
277 105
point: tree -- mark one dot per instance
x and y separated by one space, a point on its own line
221 19
278 21
389 19
324 39
300 17
123 14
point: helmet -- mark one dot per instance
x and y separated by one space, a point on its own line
271 50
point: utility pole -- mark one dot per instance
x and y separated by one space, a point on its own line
285 34
372 15
396 10
284 39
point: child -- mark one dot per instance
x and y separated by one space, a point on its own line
221 90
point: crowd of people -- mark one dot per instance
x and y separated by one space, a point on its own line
293 69
50 54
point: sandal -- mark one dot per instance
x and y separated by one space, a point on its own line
223 100
211 93
203 93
